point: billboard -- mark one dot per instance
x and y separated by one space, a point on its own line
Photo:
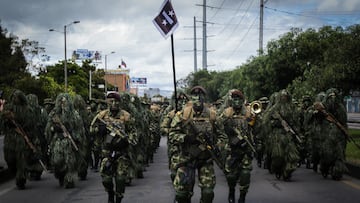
84 54
138 81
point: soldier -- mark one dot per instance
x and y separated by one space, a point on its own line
84 146
313 125
259 132
64 131
334 134
118 131
238 121
282 122
21 148
304 149
193 130
48 104
165 128
96 138
40 120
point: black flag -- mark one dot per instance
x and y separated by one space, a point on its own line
166 21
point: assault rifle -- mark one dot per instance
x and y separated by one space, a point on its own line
116 129
22 132
286 126
331 118
205 138
246 138
66 133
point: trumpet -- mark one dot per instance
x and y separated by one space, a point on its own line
255 107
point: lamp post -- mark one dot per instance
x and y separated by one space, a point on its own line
106 71
65 63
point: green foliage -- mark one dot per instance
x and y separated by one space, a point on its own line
352 153
304 62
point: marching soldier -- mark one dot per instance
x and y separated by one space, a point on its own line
238 120
116 126
21 148
282 121
195 132
64 131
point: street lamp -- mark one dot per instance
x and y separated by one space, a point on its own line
106 71
65 64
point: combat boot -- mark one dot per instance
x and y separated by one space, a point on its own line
118 199
111 197
242 198
231 197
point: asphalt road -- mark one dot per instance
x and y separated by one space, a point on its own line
306 186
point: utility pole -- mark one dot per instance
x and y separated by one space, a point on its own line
261 27
204 51
195 51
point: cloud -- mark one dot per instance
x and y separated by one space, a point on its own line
126 27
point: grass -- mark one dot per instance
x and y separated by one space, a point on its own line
352 151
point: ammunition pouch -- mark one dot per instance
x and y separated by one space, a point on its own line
108 167
194 151
235 141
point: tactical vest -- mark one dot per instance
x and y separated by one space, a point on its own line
202 123
236 121
113 141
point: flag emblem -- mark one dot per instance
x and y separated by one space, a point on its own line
123 63
166 21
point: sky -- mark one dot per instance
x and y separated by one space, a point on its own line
125 27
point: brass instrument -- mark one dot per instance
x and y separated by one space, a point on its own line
255 107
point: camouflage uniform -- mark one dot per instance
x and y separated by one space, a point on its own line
64 153
40 119
238 121
118 136
188 129
17 153
259 132
314 123
96 137
283 147
333 138
165 128
84 145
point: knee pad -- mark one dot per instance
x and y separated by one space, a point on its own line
207 195
231 180
107 183
244 179
182 196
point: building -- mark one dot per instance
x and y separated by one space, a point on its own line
118 80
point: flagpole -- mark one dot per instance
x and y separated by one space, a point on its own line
174 74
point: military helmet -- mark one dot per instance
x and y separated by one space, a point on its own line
114 95
236 93
197 90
